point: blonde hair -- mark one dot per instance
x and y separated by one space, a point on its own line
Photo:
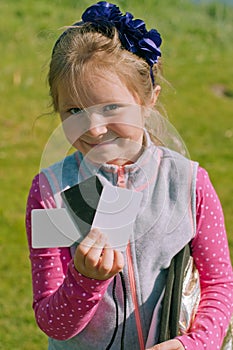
84 51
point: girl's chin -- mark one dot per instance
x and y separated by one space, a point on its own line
113 153
108 159
104 160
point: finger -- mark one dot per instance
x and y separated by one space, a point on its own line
118 263
173 344
106 262
92 258
89 241
83 249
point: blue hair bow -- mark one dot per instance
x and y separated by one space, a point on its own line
132 32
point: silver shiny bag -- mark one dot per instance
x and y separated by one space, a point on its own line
181 299
190 299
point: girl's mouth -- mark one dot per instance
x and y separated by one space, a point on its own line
103 143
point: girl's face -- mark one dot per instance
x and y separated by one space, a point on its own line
110 127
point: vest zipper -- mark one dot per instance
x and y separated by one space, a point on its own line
134 297
122 183
121 177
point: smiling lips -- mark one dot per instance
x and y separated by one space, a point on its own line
101 143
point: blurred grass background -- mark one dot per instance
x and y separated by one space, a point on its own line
197 60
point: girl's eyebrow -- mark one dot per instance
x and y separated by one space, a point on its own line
66 106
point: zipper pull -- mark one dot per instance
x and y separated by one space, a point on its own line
121 177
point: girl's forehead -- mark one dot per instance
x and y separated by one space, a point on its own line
93 89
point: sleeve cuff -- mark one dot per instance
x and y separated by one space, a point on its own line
90 285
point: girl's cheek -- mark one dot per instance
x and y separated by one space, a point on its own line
74 127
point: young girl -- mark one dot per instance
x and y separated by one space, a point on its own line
103 83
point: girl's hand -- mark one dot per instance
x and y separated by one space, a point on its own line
94 258
168 345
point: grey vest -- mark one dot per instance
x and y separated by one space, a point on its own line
165 224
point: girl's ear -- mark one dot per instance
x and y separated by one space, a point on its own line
153 100
155 96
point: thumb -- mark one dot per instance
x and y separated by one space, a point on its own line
173 344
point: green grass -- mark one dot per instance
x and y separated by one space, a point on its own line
197 54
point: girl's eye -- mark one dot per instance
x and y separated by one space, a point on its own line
75 110
111 107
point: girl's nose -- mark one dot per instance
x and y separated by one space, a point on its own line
97 126
97 130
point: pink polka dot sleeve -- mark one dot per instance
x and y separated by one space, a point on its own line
64 301
211 254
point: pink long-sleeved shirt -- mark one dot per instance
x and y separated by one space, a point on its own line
59 290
